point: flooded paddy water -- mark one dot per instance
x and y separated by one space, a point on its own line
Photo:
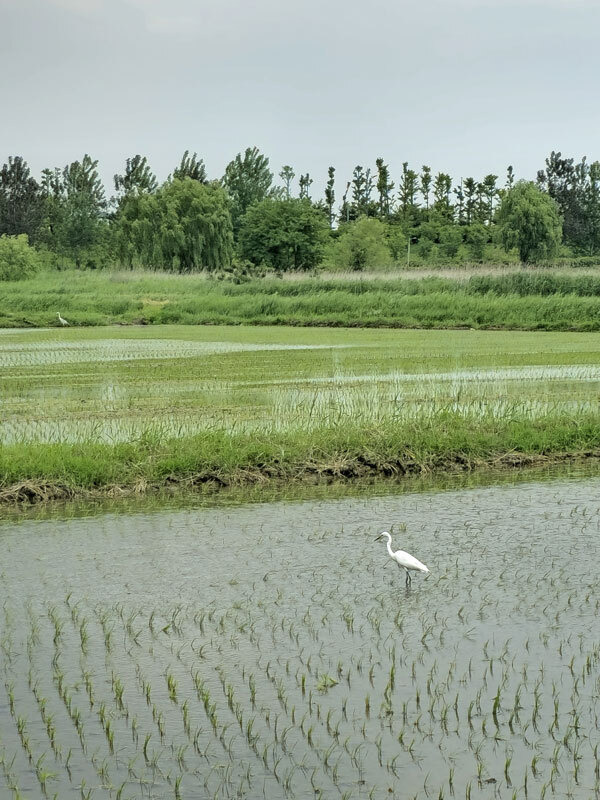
272 650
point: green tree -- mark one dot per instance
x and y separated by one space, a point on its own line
460 203
450 240
490 193
21 201
75 222
408 188
192 167
425 184
362 188
529 220
330 194
470 193
510 177
344 215
17 259
564 180
287 175
184 226
305 182
137 178
362 245
477 238
442 185
385 188
247 180
591 207
287 234
397 242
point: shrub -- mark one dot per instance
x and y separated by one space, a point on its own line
361 245
17 259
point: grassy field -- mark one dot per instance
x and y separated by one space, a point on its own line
527 300
132 408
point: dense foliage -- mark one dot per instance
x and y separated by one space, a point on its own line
374 220
528 220
183 224
17 259
287 234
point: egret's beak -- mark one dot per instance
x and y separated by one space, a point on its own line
378 537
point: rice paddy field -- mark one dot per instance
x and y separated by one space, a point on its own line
117 384
274 651
118 405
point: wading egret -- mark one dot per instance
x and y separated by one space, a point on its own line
403 559
62 321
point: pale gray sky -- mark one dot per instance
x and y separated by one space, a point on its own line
466 86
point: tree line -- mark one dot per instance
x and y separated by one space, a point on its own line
246 216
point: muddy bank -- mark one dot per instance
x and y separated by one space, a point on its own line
343 469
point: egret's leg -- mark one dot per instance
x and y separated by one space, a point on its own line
408 578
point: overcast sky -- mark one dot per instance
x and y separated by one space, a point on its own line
466 86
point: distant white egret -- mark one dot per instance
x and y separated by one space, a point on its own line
62 321
403 559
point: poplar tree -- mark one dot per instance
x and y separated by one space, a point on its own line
385 188
362 187
490 191
425 185
330 194
247 180
287 175
345 207
137 178
460 203
191 167
407 190
470 192
305 182
442 185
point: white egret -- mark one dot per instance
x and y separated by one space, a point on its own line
403 559
62 321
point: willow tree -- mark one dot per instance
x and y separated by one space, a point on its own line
185 226
529 221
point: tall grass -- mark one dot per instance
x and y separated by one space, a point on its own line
532 301
443 441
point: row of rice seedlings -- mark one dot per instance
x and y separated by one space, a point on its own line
333 682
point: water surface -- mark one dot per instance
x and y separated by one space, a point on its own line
272 650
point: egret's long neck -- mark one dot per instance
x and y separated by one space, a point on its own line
389 545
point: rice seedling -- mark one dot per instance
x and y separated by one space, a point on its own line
327 678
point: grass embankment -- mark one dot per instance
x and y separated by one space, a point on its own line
514 301
214 459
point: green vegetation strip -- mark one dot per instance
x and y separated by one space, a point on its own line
31 472
527 301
